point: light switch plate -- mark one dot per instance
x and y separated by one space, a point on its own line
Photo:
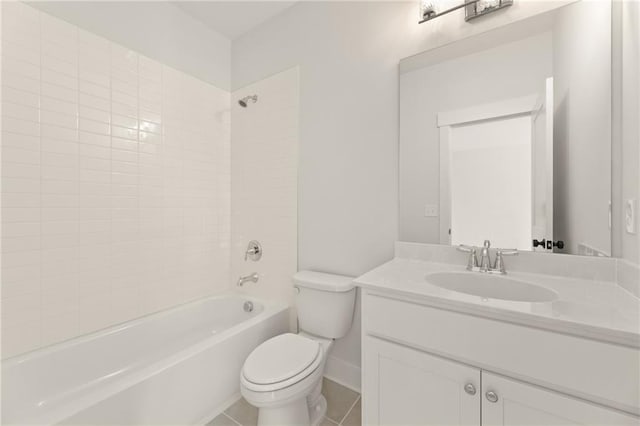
630 216
431 210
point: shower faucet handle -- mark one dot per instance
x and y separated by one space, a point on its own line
254 251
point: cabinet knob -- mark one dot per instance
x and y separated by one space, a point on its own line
470 389
491 396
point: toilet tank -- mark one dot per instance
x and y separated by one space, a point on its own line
325 303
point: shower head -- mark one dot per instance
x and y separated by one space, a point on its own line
245 101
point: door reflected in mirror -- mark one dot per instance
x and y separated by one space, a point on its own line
507 136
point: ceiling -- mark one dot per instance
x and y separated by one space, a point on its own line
233 18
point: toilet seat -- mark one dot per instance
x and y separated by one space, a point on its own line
280 362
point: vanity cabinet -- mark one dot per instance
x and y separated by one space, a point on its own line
513 403
423 365
410 387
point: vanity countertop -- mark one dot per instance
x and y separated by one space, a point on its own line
599 310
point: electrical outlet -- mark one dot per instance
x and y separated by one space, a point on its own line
630 216
431 210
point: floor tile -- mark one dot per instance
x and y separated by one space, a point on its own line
326 422
222 420
243 413
339 399
354 418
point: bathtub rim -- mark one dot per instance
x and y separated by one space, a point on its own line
111 329
137 375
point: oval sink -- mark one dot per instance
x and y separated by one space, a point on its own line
491 286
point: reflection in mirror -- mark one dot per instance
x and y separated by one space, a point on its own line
506 136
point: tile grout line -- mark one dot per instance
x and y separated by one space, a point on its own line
350 409
231 418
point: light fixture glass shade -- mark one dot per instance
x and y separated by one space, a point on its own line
427 8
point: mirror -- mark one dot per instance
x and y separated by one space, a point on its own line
506 136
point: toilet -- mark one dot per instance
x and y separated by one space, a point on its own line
282 377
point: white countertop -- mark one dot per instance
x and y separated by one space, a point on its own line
599 310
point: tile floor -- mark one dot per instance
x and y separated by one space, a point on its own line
343 408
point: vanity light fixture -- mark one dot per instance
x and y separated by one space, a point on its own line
472 9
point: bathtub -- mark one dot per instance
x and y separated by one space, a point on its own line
180 366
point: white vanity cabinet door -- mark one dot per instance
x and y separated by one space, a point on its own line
403 386
521 404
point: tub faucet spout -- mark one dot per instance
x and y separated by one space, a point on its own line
249 278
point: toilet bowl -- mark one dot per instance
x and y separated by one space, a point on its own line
282 377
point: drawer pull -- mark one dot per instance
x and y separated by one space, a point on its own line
470 389
491 396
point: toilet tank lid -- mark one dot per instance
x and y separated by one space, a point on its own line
323 281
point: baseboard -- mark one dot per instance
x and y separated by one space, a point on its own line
343 373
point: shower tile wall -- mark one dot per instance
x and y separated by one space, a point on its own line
115 183
265 184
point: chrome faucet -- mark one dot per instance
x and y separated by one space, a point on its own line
249 278
485 257
485 265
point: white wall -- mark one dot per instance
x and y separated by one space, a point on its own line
157 29
348 53
264 164
630 152
504 72
102 222
582 127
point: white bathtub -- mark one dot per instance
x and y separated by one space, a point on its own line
179 366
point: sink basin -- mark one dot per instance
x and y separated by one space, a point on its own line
491 286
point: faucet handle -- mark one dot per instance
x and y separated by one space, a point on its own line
499 264
487 244
473 257
465 248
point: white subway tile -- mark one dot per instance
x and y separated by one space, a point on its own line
97 176
59 133
94 114
124 121
93 73
59 227
19 67
94 151
20 82
19 111
124 144
86 125
21 127
60 147
102 140
20 51
94 102
93 89
59 119
57 159
60 214
59 92
92 163
19 155
103 218
20 170
59 78
123 109
16 96
59 173
130 100
16 199
53 104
